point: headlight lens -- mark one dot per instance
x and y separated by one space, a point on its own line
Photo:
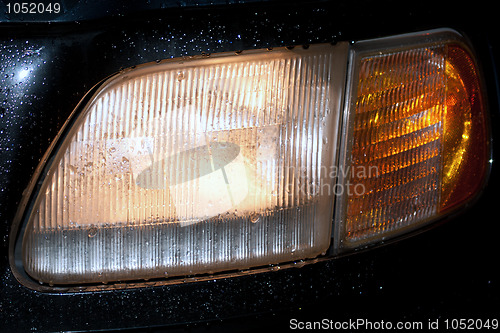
192 167
196 166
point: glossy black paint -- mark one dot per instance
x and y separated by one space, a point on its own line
46 68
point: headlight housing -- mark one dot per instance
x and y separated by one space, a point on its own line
235 161
192 167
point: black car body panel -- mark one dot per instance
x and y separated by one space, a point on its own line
447 272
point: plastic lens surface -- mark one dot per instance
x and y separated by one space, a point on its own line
397 135
189 168
465 131
419 144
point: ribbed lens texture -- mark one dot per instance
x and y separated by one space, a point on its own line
185 170
396 150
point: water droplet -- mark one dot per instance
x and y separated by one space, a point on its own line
300 263
254 218
73 169
92 231
274 268
180 76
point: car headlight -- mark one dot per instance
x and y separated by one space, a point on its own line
235 161
192 166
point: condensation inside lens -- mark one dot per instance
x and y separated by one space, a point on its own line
191 168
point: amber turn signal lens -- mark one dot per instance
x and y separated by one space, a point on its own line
419 140
465 148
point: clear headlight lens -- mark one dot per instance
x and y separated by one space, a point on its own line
197 166
192 167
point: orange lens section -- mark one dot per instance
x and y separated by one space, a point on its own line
418 113
465 146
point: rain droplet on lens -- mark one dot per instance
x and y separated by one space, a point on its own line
92 231
254 218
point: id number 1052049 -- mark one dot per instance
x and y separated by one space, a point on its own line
33 8
471 324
